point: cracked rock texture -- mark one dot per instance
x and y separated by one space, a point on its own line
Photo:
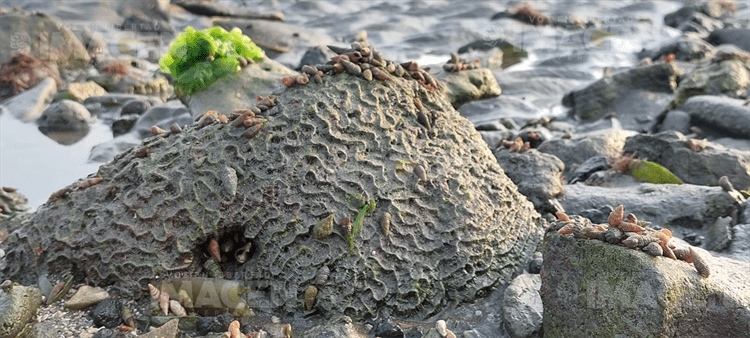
324 150
594 289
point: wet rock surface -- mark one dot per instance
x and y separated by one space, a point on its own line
18 305
685 205
579 149
596 100
693 161
537 175
28 106
34 32
726 116
194 204
592 288
522 306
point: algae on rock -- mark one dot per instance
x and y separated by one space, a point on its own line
462 230
594 289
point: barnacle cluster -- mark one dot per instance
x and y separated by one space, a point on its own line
364 61
632 233
198 58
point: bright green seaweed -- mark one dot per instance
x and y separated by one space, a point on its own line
198 58
652 172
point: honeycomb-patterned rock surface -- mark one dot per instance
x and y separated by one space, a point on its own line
326 150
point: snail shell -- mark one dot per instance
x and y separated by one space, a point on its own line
367 74
154 292
420 172
175 128
184 299
324 228
562 217
213 248
422 119
317 78
177 308
164 303
241 254
351 68
234 330
213 268
517 144
310 70
322 276
310 295
700 263
379 74
683 253
725 184
615 217
155 130
441 327
631 218
252 131
385 223
302 79
653 249
288 81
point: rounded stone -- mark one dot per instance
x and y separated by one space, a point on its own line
136 107
65 115
107 313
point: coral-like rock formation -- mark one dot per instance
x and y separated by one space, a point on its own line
346 147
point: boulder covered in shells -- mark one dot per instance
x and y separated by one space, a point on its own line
344 150
591 288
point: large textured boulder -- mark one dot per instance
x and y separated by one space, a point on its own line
326 154
591 288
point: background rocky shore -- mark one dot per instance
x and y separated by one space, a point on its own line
590 88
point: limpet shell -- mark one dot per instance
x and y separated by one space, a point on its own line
310 295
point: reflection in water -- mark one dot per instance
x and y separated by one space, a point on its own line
64 137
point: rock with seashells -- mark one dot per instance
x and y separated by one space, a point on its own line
282 175
589 284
